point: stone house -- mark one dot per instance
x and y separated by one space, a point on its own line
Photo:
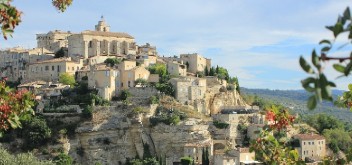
197 63
105 79
100 42
176 69
238 156
195 150
147 49
53 40
188 89
14 61
130 76
311 146
50 70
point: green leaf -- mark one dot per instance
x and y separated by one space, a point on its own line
348 69
325 88
339 68
325 49
347 14
325 42
315 60
338 29
332 84
312 102
306 84
331 28
305 66
350 87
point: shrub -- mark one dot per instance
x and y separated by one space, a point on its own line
186 160
154 100
87 112
36 132
125 94
63 159
67 79
220 125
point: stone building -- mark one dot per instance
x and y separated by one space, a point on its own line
105 79
50 70
53 40
176 69
311 146
14 61
196 62
195 150
147 49
188 89
100 42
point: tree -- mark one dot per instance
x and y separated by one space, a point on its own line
36 132
206 71
15 106
60 53
317 84
10 17
141 81
158 69
67 79
112 61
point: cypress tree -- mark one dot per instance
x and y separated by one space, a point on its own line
206 71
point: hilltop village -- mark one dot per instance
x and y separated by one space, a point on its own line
139 103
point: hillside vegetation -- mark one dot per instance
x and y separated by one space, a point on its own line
296 100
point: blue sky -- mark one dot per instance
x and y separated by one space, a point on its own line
258 41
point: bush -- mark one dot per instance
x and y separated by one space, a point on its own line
63 159
112 61
186 160
154 100
27 158
125 94
87 112
220 125
67 79
36 132
230 87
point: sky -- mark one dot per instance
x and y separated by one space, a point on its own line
260 42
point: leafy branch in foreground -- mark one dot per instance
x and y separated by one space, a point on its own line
10 17
317 83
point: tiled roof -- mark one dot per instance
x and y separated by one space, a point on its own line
108 34
54 60
309 137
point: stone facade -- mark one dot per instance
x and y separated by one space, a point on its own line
100 42
14 62
311 146
53 40
105 79
176 69
197 63
50 70
189 89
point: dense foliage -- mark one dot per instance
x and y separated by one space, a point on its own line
63 159
26 158
112 61
15 106
167 116
67 79
60 53
220 125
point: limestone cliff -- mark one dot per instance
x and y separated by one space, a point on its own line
218 96
113 136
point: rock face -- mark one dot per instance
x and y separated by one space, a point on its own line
113 136
217 97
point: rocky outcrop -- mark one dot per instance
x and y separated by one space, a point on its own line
217 97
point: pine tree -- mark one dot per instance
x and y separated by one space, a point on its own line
206 71
203 156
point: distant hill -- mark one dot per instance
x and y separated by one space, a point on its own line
297 100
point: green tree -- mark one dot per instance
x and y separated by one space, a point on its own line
67 79
158 69
125 94
36 132
212 71
141 81
60 53
112 61
206 71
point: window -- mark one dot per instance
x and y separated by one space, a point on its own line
90 44
129 83
52 67
121 84
107 73
73 68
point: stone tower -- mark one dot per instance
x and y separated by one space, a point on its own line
102 25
